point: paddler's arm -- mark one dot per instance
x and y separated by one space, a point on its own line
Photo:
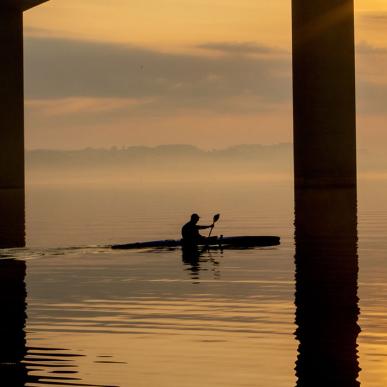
204 227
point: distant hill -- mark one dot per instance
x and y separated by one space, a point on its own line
138 155
168 161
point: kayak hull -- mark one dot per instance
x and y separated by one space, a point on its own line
215 242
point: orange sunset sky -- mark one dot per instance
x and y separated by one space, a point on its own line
212 73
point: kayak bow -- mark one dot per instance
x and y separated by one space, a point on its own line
213 242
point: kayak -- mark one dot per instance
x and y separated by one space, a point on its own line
238 242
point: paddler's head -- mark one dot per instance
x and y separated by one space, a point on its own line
195 218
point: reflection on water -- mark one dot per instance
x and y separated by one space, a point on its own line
326 287
223 319
144 319
13 317
21 365
197 260
12 222
163 327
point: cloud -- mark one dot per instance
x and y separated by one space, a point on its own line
372 97
35 31
61 68
370 18
371 79
83 93
77 77
364 48
86 105
241 48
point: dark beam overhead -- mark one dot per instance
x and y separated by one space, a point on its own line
23 5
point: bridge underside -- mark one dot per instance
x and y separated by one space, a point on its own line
21 5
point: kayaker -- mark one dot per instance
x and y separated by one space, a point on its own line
190 231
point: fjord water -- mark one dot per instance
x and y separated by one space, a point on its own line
87 315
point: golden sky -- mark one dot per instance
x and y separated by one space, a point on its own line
208 72
166 23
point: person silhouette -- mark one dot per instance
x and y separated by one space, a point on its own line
190 232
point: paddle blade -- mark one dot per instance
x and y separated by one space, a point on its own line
216 217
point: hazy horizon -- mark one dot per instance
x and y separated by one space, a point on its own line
175 162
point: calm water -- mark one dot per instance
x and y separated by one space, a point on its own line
96 317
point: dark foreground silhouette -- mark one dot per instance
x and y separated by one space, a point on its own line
213 243
190 232
191 239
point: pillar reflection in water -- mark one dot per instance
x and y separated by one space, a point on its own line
12 219
12 322
22 365
326 287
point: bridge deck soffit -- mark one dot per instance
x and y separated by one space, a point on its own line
22 5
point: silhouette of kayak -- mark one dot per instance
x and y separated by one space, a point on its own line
237 242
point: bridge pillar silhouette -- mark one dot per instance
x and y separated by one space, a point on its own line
12 121
324 93
325 193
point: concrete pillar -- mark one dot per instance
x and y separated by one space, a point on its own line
324 93
325 192
12 211
11 128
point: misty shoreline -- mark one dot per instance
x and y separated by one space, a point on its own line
171 162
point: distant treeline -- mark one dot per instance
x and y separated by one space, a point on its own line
172 161
178 156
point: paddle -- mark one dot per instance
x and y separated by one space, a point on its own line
215 219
